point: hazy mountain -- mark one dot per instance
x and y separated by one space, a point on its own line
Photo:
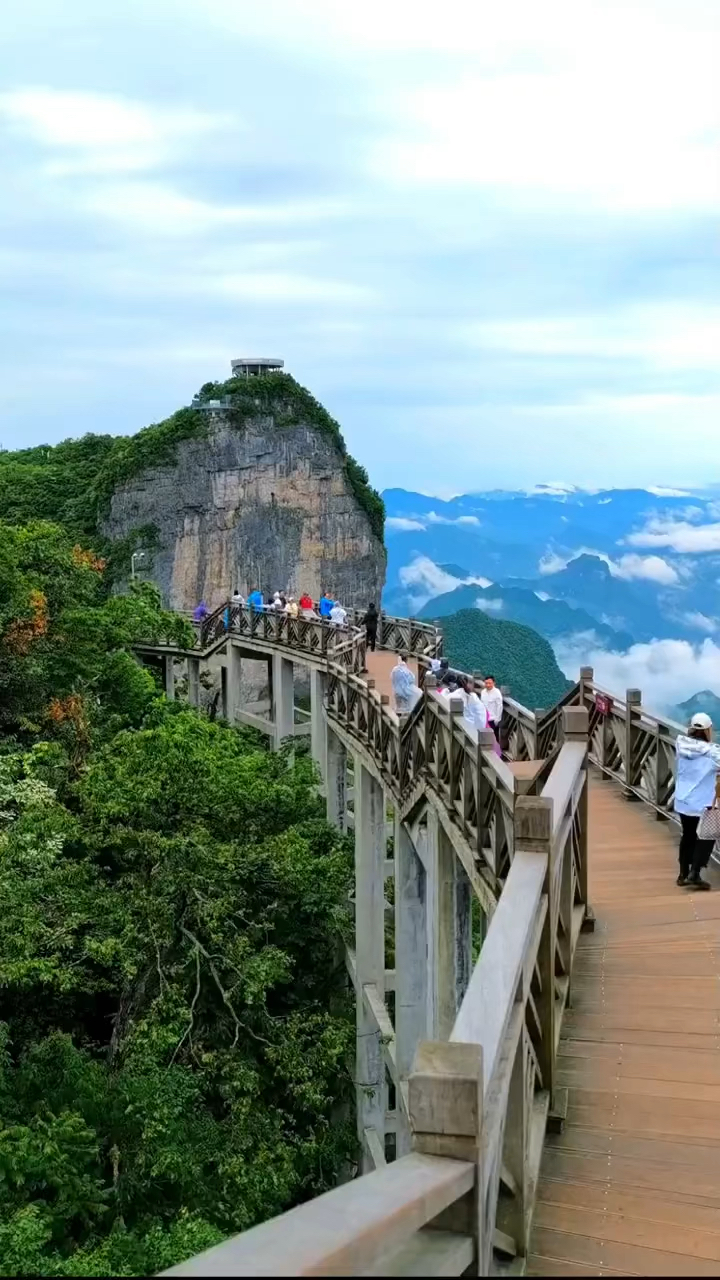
513 654
706 701
552 618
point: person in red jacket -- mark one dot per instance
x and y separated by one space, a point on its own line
306 606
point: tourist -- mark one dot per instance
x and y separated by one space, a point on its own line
237 599
404 686
291 607
255 600
338 615
493 700
278 604
697 769
326 605
200 612
474 712
306 605
370 623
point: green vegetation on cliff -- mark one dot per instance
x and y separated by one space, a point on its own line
174 1027
72 483
515 655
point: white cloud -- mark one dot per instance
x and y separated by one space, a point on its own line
650 568
542 595
400 524
662 492
667 671
99 133
678 535
668 335
489 606
425 580
433 518
702 622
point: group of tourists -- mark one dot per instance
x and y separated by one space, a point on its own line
328 609
482 700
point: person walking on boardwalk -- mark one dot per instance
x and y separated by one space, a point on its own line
698 766
370 622
493 702
404 686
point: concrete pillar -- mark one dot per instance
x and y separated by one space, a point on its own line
318 723
194 682
411 965
283 700
370 956
233 676
169 675
336 780
449 930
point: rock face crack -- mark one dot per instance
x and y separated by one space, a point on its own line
263 506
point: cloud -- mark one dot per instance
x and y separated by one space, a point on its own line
663 492
400 524
433 518
100 133
678 535
424 580
667 671
489 606
543 595
701 621
649 568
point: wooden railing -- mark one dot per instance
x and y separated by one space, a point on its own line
478 1103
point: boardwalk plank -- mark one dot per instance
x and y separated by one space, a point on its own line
632 1184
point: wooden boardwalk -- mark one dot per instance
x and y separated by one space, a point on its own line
632 1185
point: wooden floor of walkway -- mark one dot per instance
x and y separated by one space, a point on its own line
632 1185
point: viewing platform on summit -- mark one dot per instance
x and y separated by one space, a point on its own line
537 1061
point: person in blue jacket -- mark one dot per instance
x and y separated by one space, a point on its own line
255 600
326 604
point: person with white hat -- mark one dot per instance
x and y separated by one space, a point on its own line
698 766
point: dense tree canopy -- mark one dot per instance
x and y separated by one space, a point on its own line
175 1028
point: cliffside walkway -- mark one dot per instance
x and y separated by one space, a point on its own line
551 1105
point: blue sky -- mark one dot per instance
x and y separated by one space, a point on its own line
485 236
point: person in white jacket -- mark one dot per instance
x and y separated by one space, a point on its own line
474 713
697 768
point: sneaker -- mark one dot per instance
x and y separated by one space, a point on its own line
681 880
697 882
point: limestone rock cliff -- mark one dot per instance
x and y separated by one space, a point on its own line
251 497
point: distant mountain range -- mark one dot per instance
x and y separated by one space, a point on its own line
606 571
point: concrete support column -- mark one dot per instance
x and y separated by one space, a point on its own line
318 723
169 675
336 780
449 930
194 682
371 1098
233 676
283 701
411 966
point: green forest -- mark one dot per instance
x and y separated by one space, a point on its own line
515 655
174 1025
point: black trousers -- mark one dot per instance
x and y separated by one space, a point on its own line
371 638
694 854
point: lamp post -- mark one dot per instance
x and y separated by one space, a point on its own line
136 555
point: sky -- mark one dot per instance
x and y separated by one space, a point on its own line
485 236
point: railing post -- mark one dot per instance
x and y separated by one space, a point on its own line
370 957
533 834
446 1116
411 965
587 679
576 728
633 701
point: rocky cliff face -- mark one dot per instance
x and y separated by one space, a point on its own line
252 503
